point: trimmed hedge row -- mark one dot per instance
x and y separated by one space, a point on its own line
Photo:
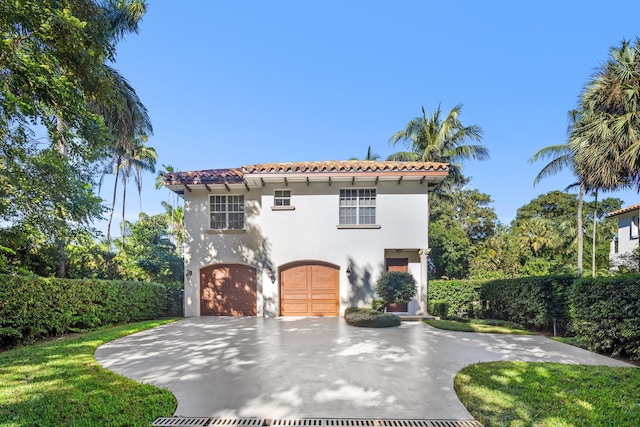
604 312
33 307
365 317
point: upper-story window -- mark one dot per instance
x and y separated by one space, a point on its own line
282 198
227 212
358 206
634 227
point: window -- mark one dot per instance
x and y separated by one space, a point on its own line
227 212
282 198
634 227
358 206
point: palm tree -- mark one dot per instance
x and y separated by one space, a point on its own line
175 216
607 134
562 156
140 158
369 156
432 139
537 234
123 113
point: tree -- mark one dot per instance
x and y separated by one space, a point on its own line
369 156
432 139
537 234
606 136
54 73
562 156
461 220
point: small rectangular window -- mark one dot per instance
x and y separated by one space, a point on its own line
634 227
358 206
282 198
227 212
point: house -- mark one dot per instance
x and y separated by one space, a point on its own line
626 239
302 239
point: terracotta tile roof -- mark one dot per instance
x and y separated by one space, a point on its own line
209 176
345 166
236 175
623 210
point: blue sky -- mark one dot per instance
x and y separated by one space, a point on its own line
229 83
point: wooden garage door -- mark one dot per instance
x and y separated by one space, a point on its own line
228 290
309 289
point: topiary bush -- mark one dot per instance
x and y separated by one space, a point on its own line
396 287
606 314
368 318
33 307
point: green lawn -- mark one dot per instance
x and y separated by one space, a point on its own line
550 394
477 325
58 382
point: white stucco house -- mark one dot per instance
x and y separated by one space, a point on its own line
302 239
626 239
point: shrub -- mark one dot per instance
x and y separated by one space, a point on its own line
606 314
365 317
396 286
33 307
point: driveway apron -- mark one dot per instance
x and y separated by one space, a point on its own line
317 367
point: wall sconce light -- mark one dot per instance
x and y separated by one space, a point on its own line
271 274
189 274
348 271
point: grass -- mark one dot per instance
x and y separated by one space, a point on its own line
550 394
59 382
478 325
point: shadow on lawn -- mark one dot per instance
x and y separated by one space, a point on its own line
59 383
550 394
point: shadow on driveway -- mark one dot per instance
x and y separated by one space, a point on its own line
317 367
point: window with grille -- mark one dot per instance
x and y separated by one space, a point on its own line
227 212
282 198
358 206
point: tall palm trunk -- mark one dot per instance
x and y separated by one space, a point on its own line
580 229
124 202
593 249
113 201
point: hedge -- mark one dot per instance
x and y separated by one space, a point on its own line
461 297
33 307
530 301
606 314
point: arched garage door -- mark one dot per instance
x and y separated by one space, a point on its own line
309 289
228 290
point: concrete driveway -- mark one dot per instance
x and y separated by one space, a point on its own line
317 367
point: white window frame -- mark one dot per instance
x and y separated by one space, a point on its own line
229 208
281 198
357 207
634 227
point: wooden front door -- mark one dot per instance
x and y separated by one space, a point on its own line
397 264
228 290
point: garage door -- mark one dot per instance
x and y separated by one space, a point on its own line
228 290
309 289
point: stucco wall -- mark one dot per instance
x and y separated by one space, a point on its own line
627 240
309 232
